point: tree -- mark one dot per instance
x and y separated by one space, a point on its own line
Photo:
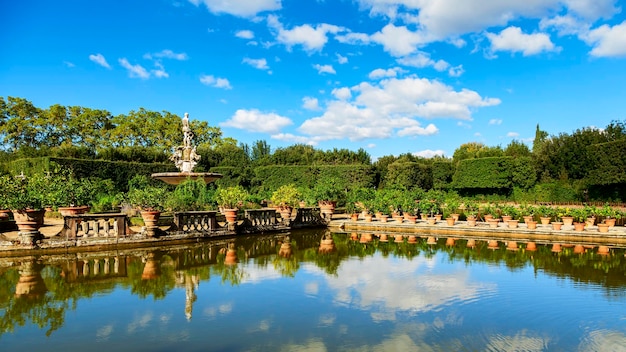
540 138
517 149
260 152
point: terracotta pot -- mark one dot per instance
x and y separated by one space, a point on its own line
4 214
398 239
431 240
531 246
455 217
368 218
150 218
492 244
512 223
231 215
383 237
354 216
512 246
603 250
579 226
488 217
438 217
579 249
412 219
151 270
432 221
285 212
231 257
545 220
424 216
471 243
556 248
285 250
610 222
28 220
366 237
556 225
67 211
450 221
493 223
567 220
384 218
506 218
531 225
591 221
471 222
412 239
527 218
450 241
603 227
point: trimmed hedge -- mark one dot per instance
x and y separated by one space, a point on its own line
442 174
269 178
609 164
409 175
483 173
120 172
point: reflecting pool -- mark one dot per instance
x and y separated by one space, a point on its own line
319 291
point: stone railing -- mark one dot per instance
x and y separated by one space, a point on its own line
307 217
261 217
195 221
95 225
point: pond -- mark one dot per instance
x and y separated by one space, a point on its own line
300 291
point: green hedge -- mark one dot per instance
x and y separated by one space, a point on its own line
409 175
233 176
442 174
120 172
483 173
609 163
269 178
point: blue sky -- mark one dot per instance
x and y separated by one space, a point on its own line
390 76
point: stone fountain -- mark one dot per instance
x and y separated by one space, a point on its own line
185 158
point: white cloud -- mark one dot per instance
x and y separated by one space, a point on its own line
240 8
167 54
512 39
288 137
309 37
607 41
134 71
217 82
495 122
100 60
342 93
398 41
310 103
378 110
421 60
564 25
353 38
260 64
159 72
382 73
429 153
256 121
245 34
456 71
342 59
512 134
69 64
324 69
417 130
448 19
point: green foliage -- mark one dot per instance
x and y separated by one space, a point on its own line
442 174
231 197
609 163
269 178
144 195
483 173
119 172
31 192
329 189
555 192
191 195
409 175
286 196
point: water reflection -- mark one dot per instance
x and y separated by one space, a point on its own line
359 290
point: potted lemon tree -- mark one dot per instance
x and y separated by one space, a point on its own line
286 198
229 199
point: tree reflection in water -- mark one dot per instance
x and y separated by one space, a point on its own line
39 291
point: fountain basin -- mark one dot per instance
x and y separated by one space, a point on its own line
175 178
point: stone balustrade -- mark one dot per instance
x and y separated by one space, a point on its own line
195 221
95 225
